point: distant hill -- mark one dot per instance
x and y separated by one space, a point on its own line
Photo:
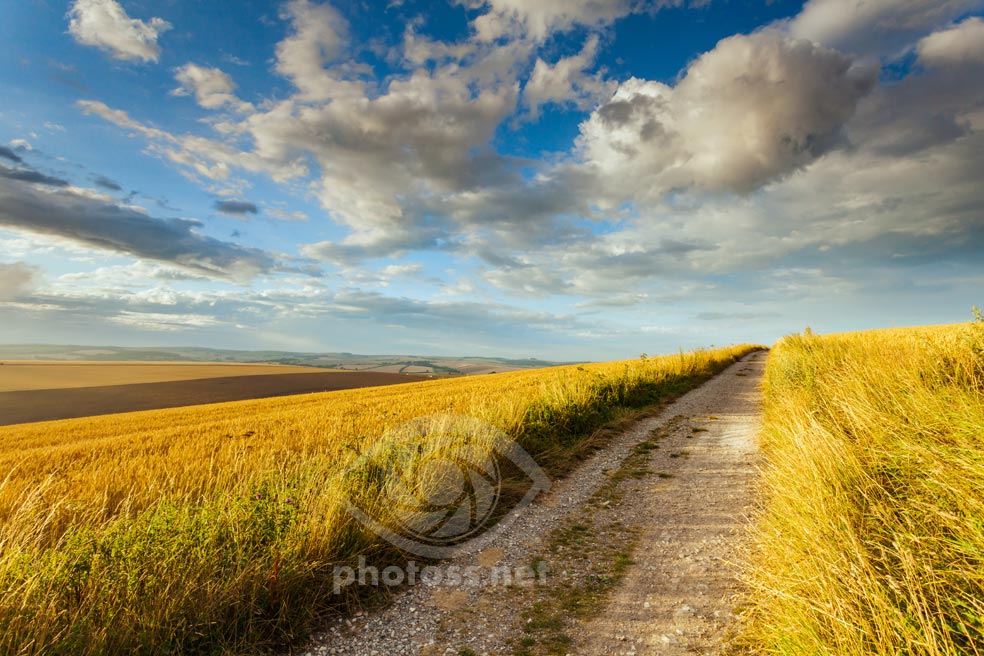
405 364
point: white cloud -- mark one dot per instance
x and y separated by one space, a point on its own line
361 278
844 217
753 109
877 27
162 322
211 87
208 158
319 35
418 49
105 25
287 216
566 81
538 20
134 274
408 163
963 43
17 279
426 135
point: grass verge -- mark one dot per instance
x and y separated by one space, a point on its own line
871 538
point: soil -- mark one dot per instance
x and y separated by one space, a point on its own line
27 406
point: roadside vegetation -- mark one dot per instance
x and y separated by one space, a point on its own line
215 529
871 539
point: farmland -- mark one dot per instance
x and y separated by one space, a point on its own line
32 391
212 528
871 538
28 375
446 365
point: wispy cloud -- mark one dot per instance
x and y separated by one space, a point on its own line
7 153
32 176
17 279
103 223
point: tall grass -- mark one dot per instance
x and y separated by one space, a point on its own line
215 529
871 539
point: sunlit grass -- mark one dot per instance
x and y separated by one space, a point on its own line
215 529
872 534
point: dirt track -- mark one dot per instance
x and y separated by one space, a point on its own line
666 501
44 405
677 597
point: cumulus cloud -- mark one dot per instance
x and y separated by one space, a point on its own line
775 165
875 27
319 35
237 208
102 223
426 135
411 167
753 109
847 216
538 20
566 81
388 160
105 25
419 49
903 191
17 279
211 87
926 109
410 164
959 44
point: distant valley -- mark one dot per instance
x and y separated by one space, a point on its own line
400 364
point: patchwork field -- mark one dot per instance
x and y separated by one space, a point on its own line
438 365
43 391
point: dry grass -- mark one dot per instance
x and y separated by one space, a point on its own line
214 529
871 539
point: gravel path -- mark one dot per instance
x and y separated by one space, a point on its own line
676 595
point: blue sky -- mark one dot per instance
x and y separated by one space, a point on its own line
569 179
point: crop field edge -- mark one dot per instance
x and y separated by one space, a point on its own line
869 539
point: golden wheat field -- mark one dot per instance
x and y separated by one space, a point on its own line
871 538
212 529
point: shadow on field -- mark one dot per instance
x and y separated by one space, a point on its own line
44 405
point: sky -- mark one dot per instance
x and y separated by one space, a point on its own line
562 179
